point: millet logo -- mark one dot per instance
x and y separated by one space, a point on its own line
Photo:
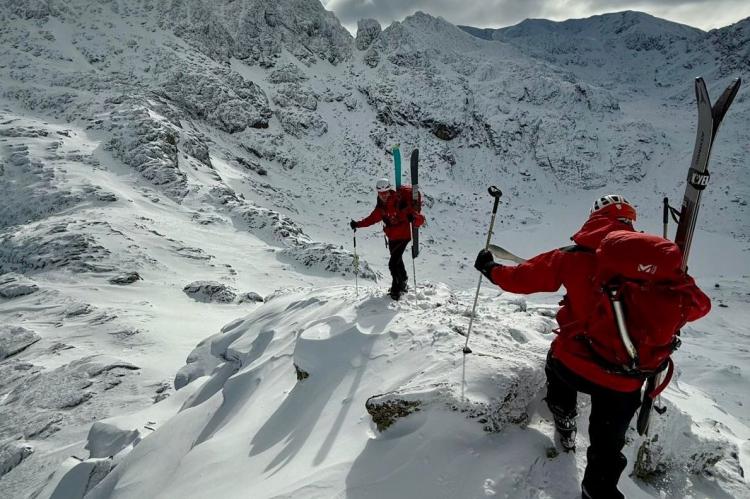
647 268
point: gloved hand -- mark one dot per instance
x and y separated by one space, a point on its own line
485 263
353 225
410 218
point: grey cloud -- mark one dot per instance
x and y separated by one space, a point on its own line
472 12
704 14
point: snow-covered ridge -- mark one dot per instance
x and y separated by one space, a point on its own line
289 391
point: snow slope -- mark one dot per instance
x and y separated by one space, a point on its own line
165 165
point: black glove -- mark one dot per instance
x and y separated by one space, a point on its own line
410 218
485 263
402 205
353 225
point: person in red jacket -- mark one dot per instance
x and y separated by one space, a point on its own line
397 212
571 367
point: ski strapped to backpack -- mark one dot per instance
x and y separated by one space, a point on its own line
416 201
709 119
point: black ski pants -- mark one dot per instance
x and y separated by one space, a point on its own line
396 262
611 412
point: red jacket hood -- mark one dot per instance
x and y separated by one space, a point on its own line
595 229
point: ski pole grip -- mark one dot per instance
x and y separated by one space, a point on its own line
495 193
665 212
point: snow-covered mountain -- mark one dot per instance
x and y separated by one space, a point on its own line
166 167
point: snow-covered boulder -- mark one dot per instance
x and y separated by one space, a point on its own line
106 439
210 292
250 297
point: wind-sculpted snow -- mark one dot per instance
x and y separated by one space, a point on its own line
246 401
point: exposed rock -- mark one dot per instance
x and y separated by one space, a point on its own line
125 278
196 146
258 30
691 449
222 98
372 57
367 31
250 297
301 373
148 144
251 165
293 94
15 285
386 411
15 339
40 401
12 453
289 73
300 123
330 258
210 292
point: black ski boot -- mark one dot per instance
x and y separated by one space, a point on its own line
565 432
395 291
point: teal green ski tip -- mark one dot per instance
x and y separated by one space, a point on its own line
397 165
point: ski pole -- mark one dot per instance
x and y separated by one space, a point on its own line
495 193
665 218
356 265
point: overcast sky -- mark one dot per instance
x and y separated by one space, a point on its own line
704 14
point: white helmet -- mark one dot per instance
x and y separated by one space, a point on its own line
383 185
616 206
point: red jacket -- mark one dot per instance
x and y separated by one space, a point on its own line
574 268
394 214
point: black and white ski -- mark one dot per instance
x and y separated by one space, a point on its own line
709 119
415 200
